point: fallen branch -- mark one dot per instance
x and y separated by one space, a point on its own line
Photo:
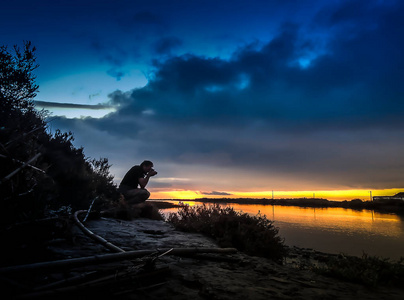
114 280
107 258
93 236
89 209
66 281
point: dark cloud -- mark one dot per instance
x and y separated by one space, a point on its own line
114 56
285 107
215 193
344 87
165 46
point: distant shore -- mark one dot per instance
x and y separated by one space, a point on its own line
396 207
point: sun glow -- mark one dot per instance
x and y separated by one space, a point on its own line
336 195
176 194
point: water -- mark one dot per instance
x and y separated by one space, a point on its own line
333 230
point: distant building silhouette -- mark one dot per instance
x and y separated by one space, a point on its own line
390 199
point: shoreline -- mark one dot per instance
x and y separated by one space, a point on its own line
196 277
167 208
356 204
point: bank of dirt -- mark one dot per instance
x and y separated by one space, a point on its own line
204 276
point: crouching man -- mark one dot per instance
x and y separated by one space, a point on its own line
133 184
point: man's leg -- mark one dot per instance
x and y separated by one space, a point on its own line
135 196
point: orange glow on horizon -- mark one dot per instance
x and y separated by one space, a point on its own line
181 194
338 195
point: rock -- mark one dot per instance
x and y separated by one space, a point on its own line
241 277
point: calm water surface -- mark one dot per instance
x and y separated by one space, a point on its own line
333 230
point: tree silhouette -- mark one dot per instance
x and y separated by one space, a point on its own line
17 81
40 171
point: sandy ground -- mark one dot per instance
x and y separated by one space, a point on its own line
231 276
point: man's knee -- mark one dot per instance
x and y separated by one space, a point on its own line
137 196
144 194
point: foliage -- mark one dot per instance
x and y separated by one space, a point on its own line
368 270
60 175
103 182
17 81
76 180
255 235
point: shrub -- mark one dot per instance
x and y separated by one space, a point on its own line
254 235
40 172
368 270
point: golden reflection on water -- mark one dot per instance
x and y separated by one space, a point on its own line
334 230
334 218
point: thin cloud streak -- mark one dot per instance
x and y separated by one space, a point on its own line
47 104
216 193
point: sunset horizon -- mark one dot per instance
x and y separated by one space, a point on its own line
334 195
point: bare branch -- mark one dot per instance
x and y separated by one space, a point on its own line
20 168
21 162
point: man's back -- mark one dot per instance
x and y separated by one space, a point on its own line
131 178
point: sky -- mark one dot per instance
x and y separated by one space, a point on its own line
227 98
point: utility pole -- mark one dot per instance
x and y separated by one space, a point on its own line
371 198
272 194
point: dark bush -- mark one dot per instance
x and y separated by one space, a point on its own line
368 270
40 172
254 235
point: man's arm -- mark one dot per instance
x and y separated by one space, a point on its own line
144 181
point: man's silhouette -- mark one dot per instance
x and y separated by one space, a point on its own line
134 182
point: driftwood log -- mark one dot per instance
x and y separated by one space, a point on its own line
123 279
107 258
129 282
93 236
